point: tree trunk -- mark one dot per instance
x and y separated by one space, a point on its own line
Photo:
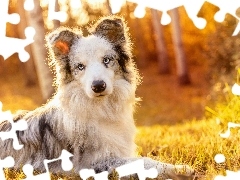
109 7
35 19
162 55
30 76
181 62
140 44
138 36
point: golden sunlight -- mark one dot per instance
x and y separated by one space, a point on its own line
75 4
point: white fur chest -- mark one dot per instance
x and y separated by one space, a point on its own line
103 128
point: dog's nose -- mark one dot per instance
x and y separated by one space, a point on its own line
98 86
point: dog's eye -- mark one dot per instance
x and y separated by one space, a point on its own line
80 66
106 60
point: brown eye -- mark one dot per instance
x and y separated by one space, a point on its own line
80 66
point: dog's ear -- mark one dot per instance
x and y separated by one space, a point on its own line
111 28
114 30
59 44
61 40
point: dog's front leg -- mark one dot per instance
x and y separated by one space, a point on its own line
165 170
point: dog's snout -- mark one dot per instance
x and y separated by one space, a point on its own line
98 86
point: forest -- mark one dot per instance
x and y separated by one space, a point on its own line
187 76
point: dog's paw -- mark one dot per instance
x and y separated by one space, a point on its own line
176 172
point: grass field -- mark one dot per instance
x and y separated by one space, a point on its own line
163 132
194 143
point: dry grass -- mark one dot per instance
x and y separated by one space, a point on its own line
194 143
163 131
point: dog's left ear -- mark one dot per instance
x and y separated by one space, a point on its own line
112 29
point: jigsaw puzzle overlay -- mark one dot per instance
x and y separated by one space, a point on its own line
21 125
192 8
16 45
13 45
220 158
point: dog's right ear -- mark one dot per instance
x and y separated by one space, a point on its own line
61 40
59 43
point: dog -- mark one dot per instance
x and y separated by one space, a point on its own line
91 113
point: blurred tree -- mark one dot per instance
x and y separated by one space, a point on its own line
34 18
222 51
30 76
162 55
181 62
2 68
138 33
108 7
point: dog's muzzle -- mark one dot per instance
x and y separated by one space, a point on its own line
98 86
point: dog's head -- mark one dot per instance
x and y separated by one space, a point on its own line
96 61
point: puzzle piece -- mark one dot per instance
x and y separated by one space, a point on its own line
66 162
8 45
29 5
230 175
228 132
5 17
137 167
237 30
236 89
219 158
28 171
20 125
163 6
192 9
53 15
66 166
16 126
8 162
229 6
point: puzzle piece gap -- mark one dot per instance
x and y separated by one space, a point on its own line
13 18
138 169
165 19
11 45
28 5
219 16
53 15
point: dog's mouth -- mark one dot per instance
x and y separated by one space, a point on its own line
100 95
